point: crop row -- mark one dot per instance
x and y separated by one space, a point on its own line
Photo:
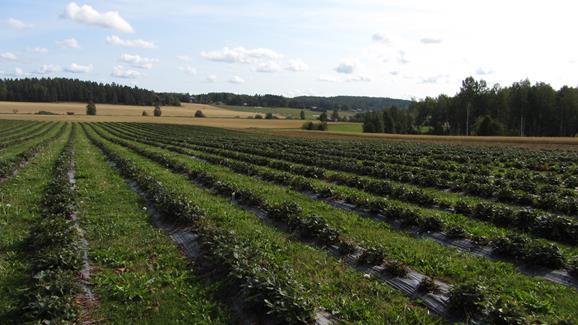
315 228
9 164
325 278
262 283
53 245
553 199
479 186
289 215
551 227
24 134
479 157
244 187
7 127
518 249
500 171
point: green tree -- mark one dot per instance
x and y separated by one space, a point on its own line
157 111
199 113
269 116
373 122
335 115
388 122
486 126
323 117
91 108
302 114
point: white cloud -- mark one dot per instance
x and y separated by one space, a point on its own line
69 43
17 73
188 69
401 59
357 78
241 55
428 40
121 72
87 15
115 40
8 56
138 61
236 80
48 69
435 79
483 72
184 58
78 68
211 78
297 65
346 67
38 50
17 24
381 38
394 73
327 78
268 67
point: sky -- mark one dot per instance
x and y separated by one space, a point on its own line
387 48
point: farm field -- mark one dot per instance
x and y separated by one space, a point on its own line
119 220
282 111
185 110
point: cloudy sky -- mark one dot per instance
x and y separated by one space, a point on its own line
395 48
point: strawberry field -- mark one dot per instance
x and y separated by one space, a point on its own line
147 223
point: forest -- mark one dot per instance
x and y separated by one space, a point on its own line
316 103
522 109
75 90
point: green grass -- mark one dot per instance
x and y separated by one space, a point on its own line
346 127
140 277
424 255
20 200
295 113
329 283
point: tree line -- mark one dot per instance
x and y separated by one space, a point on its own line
523 109
337 103
75 90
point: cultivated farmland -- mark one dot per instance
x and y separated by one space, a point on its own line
125 222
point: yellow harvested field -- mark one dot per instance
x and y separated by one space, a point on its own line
186 110
232 123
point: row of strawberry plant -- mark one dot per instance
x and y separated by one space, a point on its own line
315 228
288 214
555 228
518 249
262 283
9 126
469 160
25 135
54 248
464 289
405 157
480 186
552 199
9 165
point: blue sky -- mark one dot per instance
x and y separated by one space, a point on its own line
403 49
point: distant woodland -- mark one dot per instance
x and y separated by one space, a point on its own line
523 109
337 103
74 90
